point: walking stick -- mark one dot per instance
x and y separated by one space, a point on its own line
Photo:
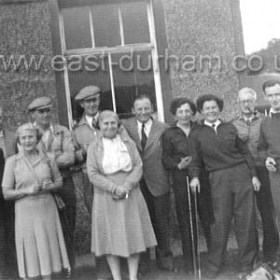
197 234
192 230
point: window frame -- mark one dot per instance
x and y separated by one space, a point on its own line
161 78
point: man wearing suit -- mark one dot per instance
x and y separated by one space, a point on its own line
8 260
147 134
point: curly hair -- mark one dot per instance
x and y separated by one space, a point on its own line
209 97
178 102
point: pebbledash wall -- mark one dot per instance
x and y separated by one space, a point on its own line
193 29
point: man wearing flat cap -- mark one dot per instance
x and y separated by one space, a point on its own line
83 134
57 143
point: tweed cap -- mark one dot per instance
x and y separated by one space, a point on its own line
87 93
40 103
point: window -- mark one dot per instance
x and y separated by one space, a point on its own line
113 46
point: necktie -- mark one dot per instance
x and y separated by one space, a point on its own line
214 126
94 123
143 136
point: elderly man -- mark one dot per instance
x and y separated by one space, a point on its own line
7 230
269 143
147 134
83 134
248 125
57 143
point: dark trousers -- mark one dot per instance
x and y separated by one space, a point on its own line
159 209
233 197
183 213
8 261
68 217
87 192
265 206
2 249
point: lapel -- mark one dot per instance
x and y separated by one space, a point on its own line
133 129
153 134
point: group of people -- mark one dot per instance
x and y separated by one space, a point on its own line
129 167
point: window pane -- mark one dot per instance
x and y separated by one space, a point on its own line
106 25
77 28
135 23
133 75
82 74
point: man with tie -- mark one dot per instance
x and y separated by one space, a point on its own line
248 126
83 134
269 141
57 144
147 134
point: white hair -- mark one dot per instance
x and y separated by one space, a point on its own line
247 90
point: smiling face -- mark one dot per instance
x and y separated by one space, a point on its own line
273 96
210 111
91 106
142 109
28 139
184 114
109 126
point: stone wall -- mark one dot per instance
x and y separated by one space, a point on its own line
197 28
25 33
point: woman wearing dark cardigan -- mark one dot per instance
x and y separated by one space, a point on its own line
176 159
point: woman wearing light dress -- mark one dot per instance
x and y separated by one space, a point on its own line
30 179
121 226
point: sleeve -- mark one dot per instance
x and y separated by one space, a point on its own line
263 145
196 154
8 181
67 156
80 156
168 160
94 174
135 175
56 176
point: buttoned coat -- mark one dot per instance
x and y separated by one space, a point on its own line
155 175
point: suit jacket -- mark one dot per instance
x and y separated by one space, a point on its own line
154 173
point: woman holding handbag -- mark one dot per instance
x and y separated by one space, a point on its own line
30 178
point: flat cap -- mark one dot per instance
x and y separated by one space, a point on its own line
40 103
87 93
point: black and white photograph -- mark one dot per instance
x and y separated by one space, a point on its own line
139 139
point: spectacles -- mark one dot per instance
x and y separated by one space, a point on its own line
42 111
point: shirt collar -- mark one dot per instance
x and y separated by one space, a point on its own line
273 111
216 123
148 124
